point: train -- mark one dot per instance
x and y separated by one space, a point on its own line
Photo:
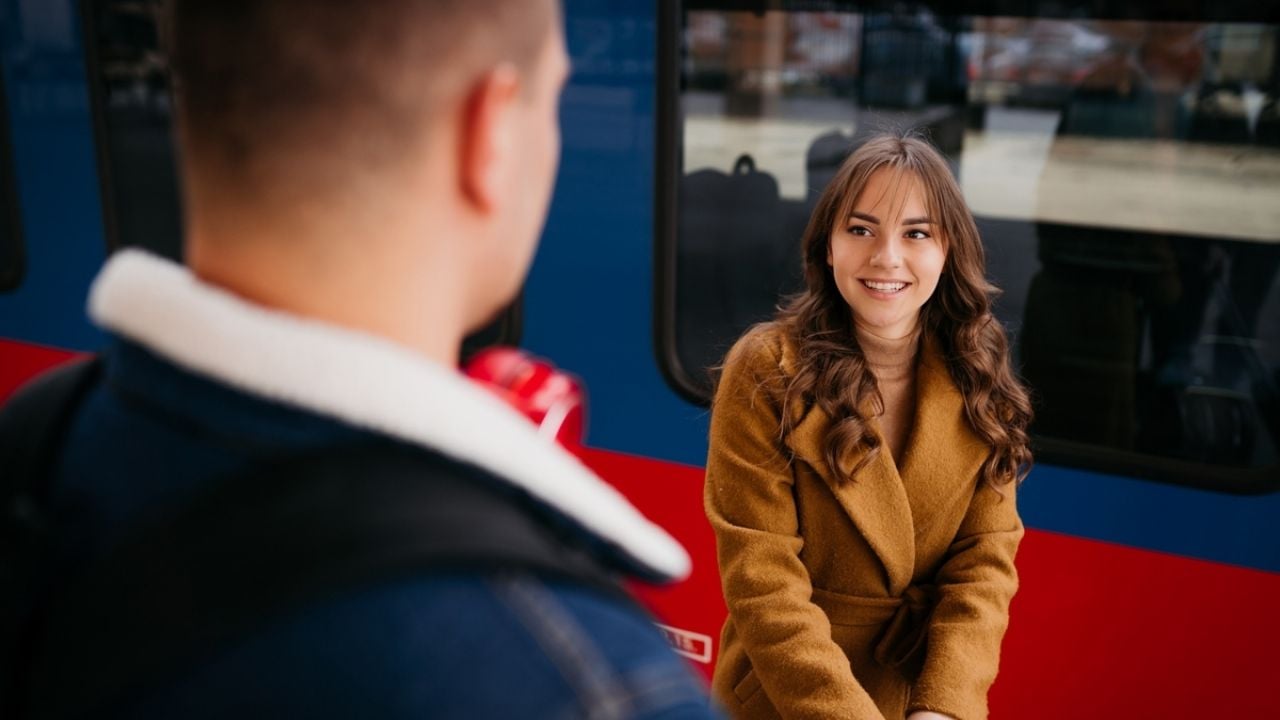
1122 161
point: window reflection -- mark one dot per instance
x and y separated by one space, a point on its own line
1124 173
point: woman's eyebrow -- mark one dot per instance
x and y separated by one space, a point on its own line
876 221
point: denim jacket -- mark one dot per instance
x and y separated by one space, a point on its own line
199 384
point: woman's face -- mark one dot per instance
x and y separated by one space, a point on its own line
887 255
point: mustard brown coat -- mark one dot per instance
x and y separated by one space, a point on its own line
864 599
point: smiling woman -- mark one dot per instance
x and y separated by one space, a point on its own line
887 268
865 448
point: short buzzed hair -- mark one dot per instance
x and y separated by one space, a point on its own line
270 91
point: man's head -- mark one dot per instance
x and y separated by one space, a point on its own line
430 118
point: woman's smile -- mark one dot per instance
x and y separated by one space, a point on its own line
885 289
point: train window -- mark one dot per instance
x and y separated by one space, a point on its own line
128 76
1124 171
12 257
130 87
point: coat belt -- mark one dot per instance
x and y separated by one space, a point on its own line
906 621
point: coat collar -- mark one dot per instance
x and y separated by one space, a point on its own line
883 500
366 382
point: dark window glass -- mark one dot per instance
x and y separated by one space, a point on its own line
1124 172
128 75
12 257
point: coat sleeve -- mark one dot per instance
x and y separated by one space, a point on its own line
751 506
975 584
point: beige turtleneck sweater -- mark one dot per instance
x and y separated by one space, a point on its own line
893 362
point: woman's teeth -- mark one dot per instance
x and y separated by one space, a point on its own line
884 287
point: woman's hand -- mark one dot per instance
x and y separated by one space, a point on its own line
927 715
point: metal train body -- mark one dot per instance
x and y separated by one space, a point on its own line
1139 598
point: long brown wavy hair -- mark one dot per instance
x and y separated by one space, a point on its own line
831 369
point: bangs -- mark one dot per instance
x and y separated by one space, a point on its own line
907 171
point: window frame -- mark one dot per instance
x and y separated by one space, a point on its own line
668 170
101 140
103 151
10 211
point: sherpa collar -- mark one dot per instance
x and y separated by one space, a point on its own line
368 382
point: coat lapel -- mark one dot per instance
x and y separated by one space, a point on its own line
876 501
886 504
943 453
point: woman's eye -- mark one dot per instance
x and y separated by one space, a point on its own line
862 230
917 235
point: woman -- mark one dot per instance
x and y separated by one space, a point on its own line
865 448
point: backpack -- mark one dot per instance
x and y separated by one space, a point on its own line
356 515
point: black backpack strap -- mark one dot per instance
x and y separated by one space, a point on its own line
34 421
33 425
261 545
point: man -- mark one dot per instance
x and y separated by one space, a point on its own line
364 184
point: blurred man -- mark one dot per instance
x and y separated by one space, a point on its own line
364 184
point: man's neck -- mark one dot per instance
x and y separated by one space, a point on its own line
376 294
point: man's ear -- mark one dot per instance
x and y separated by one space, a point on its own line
488 135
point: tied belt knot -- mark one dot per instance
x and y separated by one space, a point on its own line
902 643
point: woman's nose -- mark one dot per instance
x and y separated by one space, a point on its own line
886 253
